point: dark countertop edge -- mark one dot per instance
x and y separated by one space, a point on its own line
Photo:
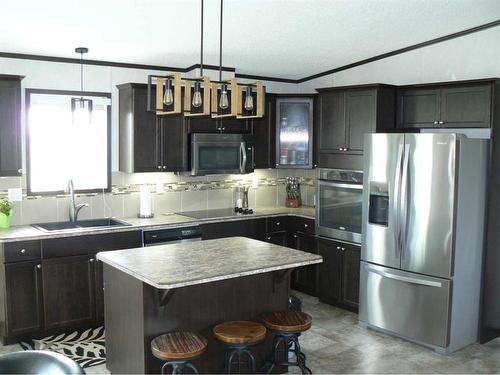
128 228
199 281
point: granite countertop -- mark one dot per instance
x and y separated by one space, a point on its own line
27 232
190 263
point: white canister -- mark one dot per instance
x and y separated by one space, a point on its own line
145 209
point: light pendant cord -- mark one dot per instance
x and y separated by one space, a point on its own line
201 48
81 73
220 41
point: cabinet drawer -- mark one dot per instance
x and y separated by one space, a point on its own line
90 244
20 251
304 225
276 224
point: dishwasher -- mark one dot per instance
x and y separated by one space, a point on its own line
170 236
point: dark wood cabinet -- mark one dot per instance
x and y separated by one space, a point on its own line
346 114
351 275
251 228
206 124
278 238
304 279
330 271
418 108
10 125
264 132
23 298
338 278
149 143
69 291
445 106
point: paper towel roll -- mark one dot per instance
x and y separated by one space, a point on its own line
145 202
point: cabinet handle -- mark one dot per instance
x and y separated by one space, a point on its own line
441 122
295 236
38 266
268 238
338 247
164 167
345 149
341 149
23 251
306 225
91 260
315 165
159 167
20 170
436 122
277 165
278 223
223 128
343 249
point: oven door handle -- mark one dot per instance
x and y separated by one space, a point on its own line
243 157
341 185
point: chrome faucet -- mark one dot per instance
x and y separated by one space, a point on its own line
74 209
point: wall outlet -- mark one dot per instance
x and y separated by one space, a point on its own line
15 194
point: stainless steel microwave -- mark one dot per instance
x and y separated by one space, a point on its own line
221 154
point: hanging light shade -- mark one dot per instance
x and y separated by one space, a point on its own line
81 108
224 98
251 99
165 94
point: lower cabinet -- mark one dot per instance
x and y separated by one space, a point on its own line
278 238
338 279
23 299
304 279
69 291
58 289
251 228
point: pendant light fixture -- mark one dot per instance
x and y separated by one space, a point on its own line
81 108
224 93
197 90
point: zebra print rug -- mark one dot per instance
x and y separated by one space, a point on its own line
86 348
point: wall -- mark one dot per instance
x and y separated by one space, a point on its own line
473 56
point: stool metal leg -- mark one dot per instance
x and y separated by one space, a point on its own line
178 367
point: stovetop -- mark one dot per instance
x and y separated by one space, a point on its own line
213 214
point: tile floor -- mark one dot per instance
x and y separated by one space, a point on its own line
337 344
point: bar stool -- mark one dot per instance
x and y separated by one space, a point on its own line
287 327
239 337
178 349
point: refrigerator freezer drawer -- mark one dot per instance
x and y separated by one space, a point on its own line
410 305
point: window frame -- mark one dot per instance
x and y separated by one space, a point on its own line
28 93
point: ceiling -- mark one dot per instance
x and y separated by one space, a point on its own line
279 38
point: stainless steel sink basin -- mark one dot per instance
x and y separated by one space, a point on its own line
80 224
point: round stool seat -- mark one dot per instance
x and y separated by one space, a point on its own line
287 321
178 345
240 332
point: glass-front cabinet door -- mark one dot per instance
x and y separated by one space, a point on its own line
294 127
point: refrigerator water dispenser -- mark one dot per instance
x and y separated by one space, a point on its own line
378 212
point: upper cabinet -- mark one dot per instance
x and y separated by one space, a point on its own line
10 125
294 131
264 132
445 106
149 143
345 116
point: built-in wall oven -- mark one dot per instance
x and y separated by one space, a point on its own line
339 202
221 154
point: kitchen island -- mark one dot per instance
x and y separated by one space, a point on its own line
191 286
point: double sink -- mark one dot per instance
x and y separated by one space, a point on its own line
80 224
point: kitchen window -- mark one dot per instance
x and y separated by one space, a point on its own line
63 145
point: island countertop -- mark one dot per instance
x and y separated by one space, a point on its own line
191 263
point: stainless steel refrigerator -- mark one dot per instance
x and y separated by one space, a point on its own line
422 237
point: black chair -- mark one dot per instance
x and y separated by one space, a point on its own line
39 362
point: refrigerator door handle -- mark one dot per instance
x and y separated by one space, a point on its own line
397 192
405 279
403 204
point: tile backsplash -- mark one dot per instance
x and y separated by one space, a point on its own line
181 193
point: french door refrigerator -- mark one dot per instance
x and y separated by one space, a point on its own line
422 237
